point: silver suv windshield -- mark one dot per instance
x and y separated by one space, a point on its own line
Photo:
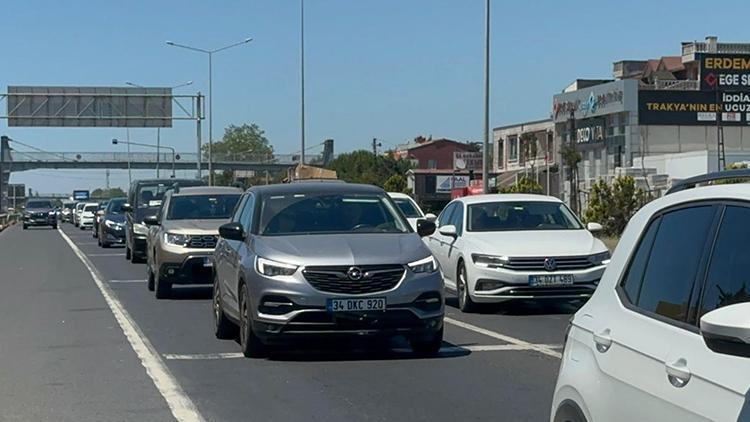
201 207
39 204
521 216
297 214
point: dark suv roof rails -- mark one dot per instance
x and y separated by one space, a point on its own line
692 182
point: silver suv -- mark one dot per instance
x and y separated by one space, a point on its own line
314 259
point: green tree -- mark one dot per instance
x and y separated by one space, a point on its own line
395 183
524 184
366 167
247 140
614 205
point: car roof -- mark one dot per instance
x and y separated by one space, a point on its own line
399 195
315 187
506 197
209 190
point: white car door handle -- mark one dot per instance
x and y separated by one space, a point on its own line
603 340
678 373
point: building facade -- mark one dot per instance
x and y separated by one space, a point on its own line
526 148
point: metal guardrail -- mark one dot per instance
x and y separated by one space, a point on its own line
7 219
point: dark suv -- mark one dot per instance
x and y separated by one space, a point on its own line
39 212
144 200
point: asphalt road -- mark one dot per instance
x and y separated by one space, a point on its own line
72 350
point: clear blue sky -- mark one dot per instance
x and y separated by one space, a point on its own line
391 69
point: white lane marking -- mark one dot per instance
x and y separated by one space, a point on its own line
447 349
87 243
126 281
106 254
179 403
541 348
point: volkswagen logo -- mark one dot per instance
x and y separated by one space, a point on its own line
354 273
549 264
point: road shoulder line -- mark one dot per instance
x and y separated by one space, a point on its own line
179 403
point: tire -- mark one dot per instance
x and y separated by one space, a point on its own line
465 303
569 412
93 234
224 329
127 252
25 227
151 281
54 227
250 344
162 288
428 347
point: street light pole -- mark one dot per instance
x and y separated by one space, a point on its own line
210 54
486 152
129 143
302 77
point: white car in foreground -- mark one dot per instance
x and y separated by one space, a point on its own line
410 209
666 336
495 248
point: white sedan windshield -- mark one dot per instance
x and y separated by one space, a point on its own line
521 215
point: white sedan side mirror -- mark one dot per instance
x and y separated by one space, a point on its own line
594 227
726 330
430 217
448 230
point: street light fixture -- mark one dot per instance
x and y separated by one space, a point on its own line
158 129
116 141
210 54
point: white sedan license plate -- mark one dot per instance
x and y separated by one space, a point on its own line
356 305
551 280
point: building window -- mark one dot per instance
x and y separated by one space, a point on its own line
513 149
431 164
500 154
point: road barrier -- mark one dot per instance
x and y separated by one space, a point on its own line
7 220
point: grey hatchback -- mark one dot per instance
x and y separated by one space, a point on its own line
314 259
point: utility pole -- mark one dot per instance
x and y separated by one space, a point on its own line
375 145
107 179
486 149
720 134
302 77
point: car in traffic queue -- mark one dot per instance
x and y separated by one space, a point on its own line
317 259
183 236
66 214
111 229
499 247
39 212
666 336
411 210
88 214
77 213
98 217
144 200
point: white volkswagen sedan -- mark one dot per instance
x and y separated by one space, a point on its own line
495 248
411 210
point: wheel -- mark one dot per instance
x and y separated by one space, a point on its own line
54 227
224 329
151 280
127 253
162 287
103 243
428 347
569 412
82 228
465 304
249 342
93 234
25 227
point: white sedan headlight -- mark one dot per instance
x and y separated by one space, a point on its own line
489 261
426 265
176 239
273 268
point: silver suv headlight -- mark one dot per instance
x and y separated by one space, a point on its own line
273 268
176 239
140 229
425 265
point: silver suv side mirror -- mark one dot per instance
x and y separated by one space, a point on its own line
727 329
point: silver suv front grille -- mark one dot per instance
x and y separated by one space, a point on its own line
203 242
336 279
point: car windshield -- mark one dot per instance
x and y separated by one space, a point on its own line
114 206
39 204
92 207
296 214
521 216
69 206
202 207
407 207
150 196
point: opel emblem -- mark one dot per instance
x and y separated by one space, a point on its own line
354 273
549 264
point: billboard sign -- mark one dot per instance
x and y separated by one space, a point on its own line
722 72
463 160
443 183
80 106
81 195
693 108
